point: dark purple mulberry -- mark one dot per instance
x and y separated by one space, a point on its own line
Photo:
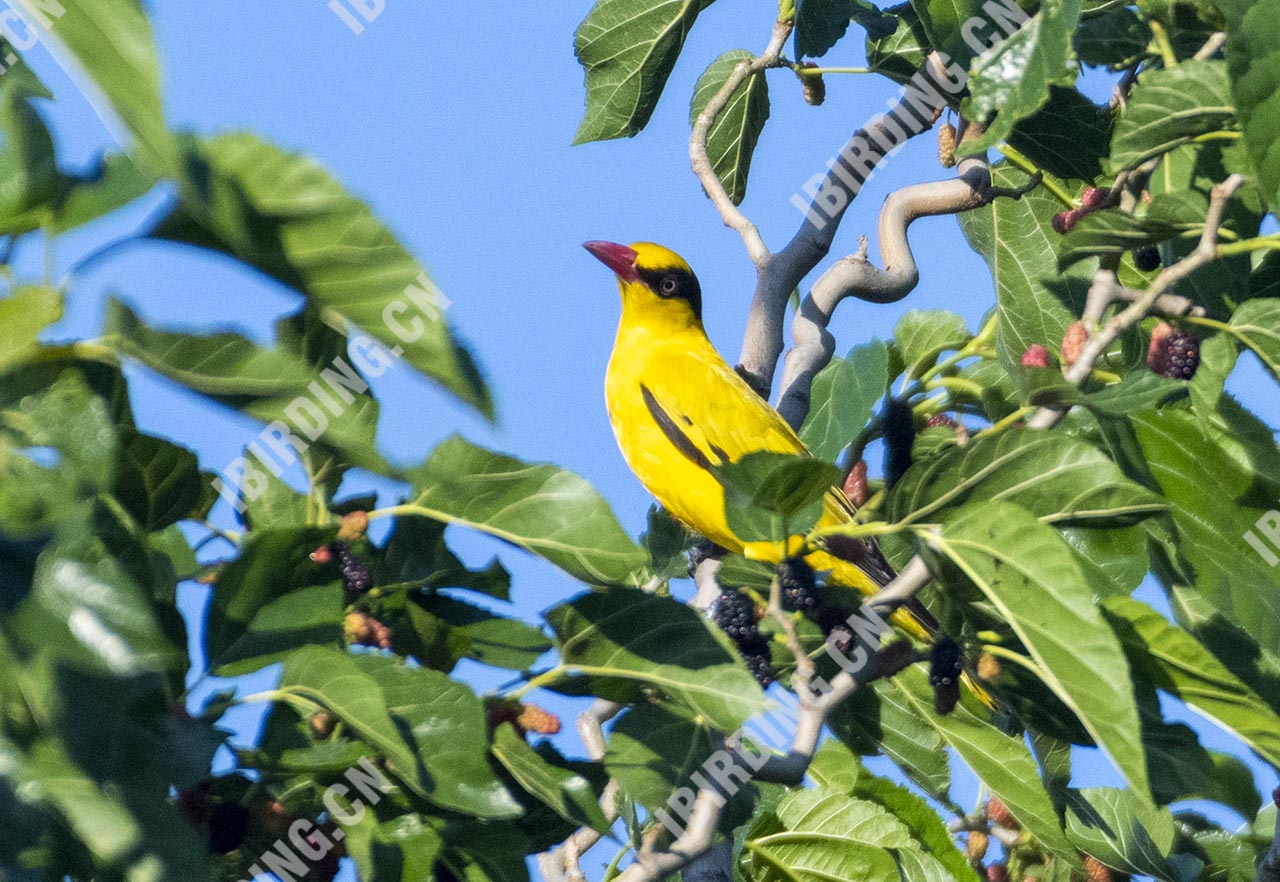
735 614
1174 352
796 581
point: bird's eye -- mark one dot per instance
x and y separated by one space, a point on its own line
670 285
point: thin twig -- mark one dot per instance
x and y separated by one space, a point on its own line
1107 333
732 215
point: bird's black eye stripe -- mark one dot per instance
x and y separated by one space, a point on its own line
675 284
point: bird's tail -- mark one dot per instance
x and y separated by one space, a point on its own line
859 564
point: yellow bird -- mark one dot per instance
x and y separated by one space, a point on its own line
678 410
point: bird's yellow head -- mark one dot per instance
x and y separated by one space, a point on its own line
656 283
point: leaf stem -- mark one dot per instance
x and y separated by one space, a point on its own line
819 71
1246 246
1020 161
1011 420
1160 37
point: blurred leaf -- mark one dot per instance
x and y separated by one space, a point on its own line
1252 42
769 496
629 48
112 41
1115 39
1013 79
611 638
570 795
157 482
272 600
286 216
29 177
129 834
1056 478
266 384
445 723
1169 107
26 312
544 509
1028 574
732 139
842 398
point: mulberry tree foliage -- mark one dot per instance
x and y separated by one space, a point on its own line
1034 540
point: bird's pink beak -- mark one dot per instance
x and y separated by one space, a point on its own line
619 258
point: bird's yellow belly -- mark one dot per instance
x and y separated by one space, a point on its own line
686 490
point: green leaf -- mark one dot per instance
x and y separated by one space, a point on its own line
335 679
271 600
86 609
1013 79
542 508
1058 479
128 833
1113 233
157 482
26 312
1029 575
1067 137
769 496
625 640
416 552
820 24
27 163
113 42
1122 831
843 396
1168 107
286 216
568 794
943 20
923 335
1002 762
445 723
826 836
732 139
1171 659
881 720
1014 236
1114 39
1213 508
930 833
266 384
1252 42
899 54
1257 324
653 749
629 48
490 639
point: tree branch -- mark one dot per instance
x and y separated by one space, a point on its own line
731 214
855 276
1105 290
782 273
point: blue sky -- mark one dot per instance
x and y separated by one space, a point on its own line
455 122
